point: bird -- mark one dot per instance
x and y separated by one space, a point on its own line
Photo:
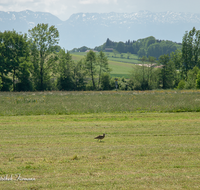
100 137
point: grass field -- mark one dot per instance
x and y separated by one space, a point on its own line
152 140
84 102
140 151
121 67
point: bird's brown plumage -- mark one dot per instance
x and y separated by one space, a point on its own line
100 137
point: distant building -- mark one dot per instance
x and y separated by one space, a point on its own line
91 50
108 49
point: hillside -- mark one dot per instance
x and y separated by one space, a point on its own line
121 67
149 46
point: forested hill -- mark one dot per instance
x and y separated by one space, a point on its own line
149 46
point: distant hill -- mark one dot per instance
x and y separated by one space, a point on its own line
149 46
92 29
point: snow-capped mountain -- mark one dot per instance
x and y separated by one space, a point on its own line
141 17
92 29
24 20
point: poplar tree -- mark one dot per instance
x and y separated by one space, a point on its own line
167 71
103 65
91 66
190 50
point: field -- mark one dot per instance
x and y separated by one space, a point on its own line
121 66
85 102
48 137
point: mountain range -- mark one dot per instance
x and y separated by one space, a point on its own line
92 29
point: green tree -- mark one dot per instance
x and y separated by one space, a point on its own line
25 83
65 70
198 81
13 48
105 81
181 85
43 38
115 52
4 65
144 83
91 66
80 73
120 47
155 50
191 78
152 61
1 83
190 50
102 62
141 52
167 72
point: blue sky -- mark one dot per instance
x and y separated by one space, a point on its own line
63 9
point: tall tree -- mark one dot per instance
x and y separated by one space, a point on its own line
42 38
91 63
13 48
167 71
152 61
120 47
190 50
65 81
80 74
144 83
103 65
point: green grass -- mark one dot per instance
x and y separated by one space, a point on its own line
84 102
140 151
121 67
133 59
77 56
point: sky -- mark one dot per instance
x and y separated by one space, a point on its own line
63 9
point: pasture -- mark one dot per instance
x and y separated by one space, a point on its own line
49 137
121 67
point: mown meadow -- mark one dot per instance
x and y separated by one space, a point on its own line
152 140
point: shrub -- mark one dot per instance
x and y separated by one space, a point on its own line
105 81
181 85
198 81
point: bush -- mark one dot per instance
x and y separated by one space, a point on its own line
181 85
198 81
105 81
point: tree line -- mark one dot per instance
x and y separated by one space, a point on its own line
178 70
165 65
34 62
149 46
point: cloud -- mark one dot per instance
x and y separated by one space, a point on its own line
63 9
88 2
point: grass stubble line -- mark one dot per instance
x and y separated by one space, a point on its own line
140 151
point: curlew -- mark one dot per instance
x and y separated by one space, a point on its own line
100 137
